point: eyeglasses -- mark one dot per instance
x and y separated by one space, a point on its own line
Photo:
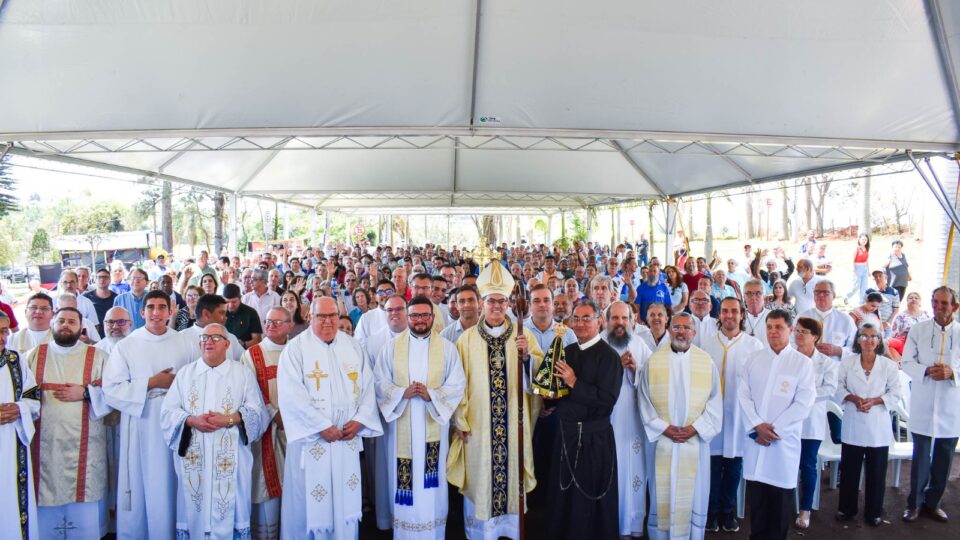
325 316
34 309
216 338
753 293
822 293
496 301
867 337
385 292
116 322
679 327
419 316
802 332
578 320
274 322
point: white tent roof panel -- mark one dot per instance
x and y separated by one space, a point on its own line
479 103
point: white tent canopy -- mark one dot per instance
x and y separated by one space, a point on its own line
475 105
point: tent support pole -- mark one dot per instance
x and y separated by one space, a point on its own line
669 225
232 215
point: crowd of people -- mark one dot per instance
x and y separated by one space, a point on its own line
286 394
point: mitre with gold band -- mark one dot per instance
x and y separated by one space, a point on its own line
494 279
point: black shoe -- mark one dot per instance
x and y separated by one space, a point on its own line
713 525
843 517
730 523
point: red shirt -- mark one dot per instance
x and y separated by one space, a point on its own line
861 256
692 280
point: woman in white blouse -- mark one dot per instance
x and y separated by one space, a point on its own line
869 388
807 335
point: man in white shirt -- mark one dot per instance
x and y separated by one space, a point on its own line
931 357
700 309
468 305
801 288
776 391
755 319
70 282
39 314
838 328
261 298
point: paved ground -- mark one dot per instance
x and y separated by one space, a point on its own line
822 524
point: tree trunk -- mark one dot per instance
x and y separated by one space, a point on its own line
865 220
650 206
708 231
166 211
749 213
219 204
808 209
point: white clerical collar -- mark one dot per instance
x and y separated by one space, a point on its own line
783 350
419 338
150 336
758 315
593 341
823 314
220 368
725 339
270 345
495 331
940 327
63 350
37 333
699 319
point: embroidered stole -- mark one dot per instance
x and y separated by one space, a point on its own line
723 363
268 458
84 420
499 442
12 360
401 372
701 379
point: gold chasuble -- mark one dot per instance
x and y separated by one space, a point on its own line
485 467
701 381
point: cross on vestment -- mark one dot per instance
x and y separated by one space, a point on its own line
317 373
64 528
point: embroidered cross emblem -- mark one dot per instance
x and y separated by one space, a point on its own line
192 458
637 446
224 463
353 482
317 374
637 484
784 387
64 528
317 451
319 493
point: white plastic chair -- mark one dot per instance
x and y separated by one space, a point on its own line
829 452
899 451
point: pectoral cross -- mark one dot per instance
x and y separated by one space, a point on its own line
64 528
317 373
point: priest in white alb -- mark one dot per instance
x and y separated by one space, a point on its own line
19 407
682 410
328 402
210 416
39 313
484 460
627 424
117 325
262 360
137 376
419 383
730 348
376 456
69 448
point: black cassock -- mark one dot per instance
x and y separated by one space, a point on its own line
583 476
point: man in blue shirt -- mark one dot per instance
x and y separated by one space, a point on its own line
652 290
133 301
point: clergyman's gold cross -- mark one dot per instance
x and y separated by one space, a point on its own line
317 374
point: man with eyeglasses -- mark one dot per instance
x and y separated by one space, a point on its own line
211 308
700 303
754 320
211 416
419 384
325 390
117 326
486 418
70 483
39 313
141 368
375 318
931 357
583 486
269 452
838 329
682 410
422 285
88 332
630 438
776 391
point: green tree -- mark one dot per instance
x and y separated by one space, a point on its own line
40 246
8 249
8 201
